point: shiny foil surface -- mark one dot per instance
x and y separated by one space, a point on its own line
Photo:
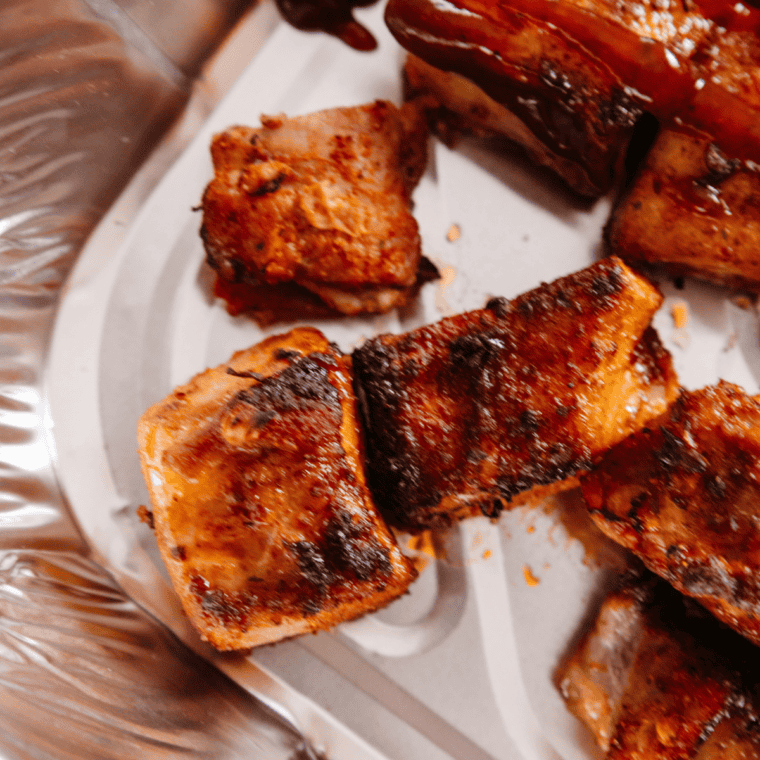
86 91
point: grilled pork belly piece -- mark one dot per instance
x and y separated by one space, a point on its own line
456 106
321 201
587 65
516 76
465 415
656 677
683 495
261 511
692 210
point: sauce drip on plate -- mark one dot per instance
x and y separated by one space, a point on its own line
332 16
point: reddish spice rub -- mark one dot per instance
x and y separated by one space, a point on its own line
465 415
320 202
657 677
683 495
261 511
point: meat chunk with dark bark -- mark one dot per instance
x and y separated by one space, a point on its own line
464 416
261 510
585 66
657 677
683 495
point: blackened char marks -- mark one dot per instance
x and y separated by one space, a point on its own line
393 469
550 462
499 305
676 453
312 564
230 609
719 167
301 385
474 351
269 186
620 110
698 470
464 415
650 358
608 284
348 551
350 547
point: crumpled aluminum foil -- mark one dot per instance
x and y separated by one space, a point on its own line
86 90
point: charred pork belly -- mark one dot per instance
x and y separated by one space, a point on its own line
518 76
465 415
657 677
260 506
321 201
692 210
683 495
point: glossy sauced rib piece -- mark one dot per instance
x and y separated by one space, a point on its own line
519 77
456 106
696 63
656 677
464 415
693 210
683 495
261 511
321 201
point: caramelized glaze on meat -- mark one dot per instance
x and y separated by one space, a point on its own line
693 210
261 511
457 106
538 87
465 415
677 60
683 495
656 677
322 201
332 16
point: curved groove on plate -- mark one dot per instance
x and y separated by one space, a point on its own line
437 600
493 599
393 640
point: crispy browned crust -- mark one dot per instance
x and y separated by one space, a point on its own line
261 510
464 415
683 495
522 78
655 677
693 211
322 201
